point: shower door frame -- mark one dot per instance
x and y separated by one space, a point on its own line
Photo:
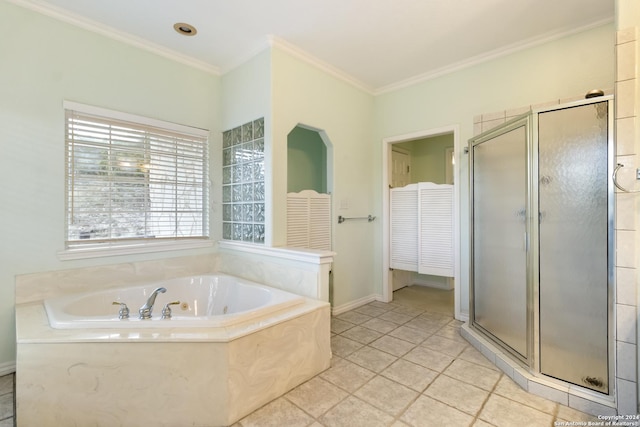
532 358
519 121
611 152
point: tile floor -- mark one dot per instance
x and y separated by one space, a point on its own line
397 364
405 364
7 404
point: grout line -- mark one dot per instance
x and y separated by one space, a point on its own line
493 389
434 316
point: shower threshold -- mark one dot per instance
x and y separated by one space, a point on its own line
570 395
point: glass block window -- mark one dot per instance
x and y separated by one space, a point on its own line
243 183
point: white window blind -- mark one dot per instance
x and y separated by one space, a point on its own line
133 179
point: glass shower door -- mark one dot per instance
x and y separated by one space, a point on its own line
499 258
573 241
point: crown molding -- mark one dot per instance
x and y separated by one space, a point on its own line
245 57
295 51
112 33
488 56
272 41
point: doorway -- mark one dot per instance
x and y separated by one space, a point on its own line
406 159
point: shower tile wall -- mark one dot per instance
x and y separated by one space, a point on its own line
626 222
243 183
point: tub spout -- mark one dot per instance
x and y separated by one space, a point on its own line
147 308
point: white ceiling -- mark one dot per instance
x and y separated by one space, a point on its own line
376 44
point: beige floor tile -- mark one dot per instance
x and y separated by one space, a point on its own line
6 405
387 395
508 388
354 317
395 317
436 300
456 323
428 358
503 412
353 412
343 347
392 345
372 359
380 325
439 318
471 373
383 305
470 354
338 326
370 311
444 345
316 396
451 332
426 412
414 376
279 413
362 335
347 375
457 394
480 423
396 423
409 311
425 325
6 384
569 414
412 335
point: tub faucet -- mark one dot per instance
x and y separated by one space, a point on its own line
147 308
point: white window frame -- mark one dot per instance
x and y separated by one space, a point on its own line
111 247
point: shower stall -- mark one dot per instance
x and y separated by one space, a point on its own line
542 256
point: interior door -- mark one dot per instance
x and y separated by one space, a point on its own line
499 235
400 168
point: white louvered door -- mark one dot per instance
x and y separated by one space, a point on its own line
422 229
436 229
309 220
404 227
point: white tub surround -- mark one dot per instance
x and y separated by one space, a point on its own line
164 377
50 284
206 301
301 271
168 376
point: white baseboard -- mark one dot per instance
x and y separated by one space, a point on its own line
7 368
355 304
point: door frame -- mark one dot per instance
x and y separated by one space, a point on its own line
387 143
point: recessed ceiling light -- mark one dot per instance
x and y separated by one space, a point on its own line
185 29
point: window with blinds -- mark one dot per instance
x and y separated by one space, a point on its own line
132 179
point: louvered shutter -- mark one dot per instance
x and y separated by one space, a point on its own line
309 220
404 227
422 229
436 229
